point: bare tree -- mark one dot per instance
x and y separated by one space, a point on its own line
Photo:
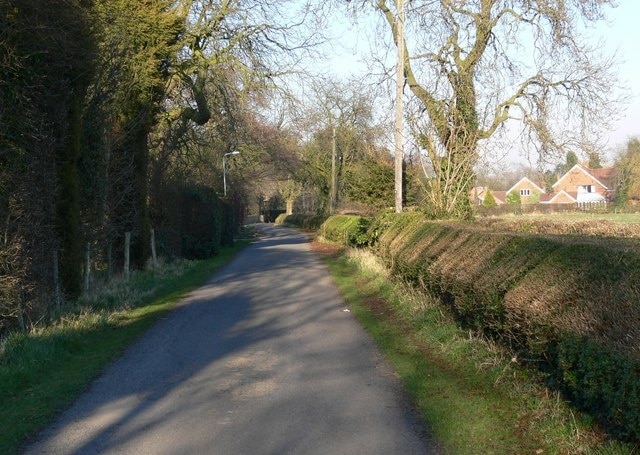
473 66
345 140
232 56
231 52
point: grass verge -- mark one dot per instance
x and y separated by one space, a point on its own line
42 372
472 395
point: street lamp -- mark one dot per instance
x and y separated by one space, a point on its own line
224 169
334 115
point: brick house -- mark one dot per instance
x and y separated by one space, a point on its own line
583 185
579 185
529 191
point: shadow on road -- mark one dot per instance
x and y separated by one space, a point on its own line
255 361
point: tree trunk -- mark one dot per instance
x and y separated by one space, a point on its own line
109 260
141 247
68 205
399 109
332 195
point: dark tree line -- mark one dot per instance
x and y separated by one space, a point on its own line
45 75
114 117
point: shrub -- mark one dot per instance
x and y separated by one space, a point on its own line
230 223
313 222
271 215
600 381
514 198
201 222
308 222
489 200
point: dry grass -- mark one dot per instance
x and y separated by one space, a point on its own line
326 249
577 224
369 261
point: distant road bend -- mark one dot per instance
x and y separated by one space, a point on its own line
260 360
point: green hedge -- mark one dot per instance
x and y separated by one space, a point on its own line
352 230
570 303
281 218
310 222
194 223
600 381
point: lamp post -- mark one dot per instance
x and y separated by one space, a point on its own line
332 199
400 80
224 169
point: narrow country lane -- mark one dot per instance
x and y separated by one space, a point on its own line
260 360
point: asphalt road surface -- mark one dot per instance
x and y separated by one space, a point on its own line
263 359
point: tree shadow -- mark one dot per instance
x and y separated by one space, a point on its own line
228 343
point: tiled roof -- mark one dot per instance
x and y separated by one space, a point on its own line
500 196
605 175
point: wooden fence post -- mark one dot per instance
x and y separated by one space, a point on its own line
109 261
154 257
21 318
127 244
87 269
57 294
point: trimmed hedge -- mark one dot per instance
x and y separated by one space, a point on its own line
310 222
601 381
194 223
570 303
280 219
351 230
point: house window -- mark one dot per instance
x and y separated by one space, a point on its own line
587 189
525 192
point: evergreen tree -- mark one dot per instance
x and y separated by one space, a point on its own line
489 200
594 160
570 161
139 39
514 198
